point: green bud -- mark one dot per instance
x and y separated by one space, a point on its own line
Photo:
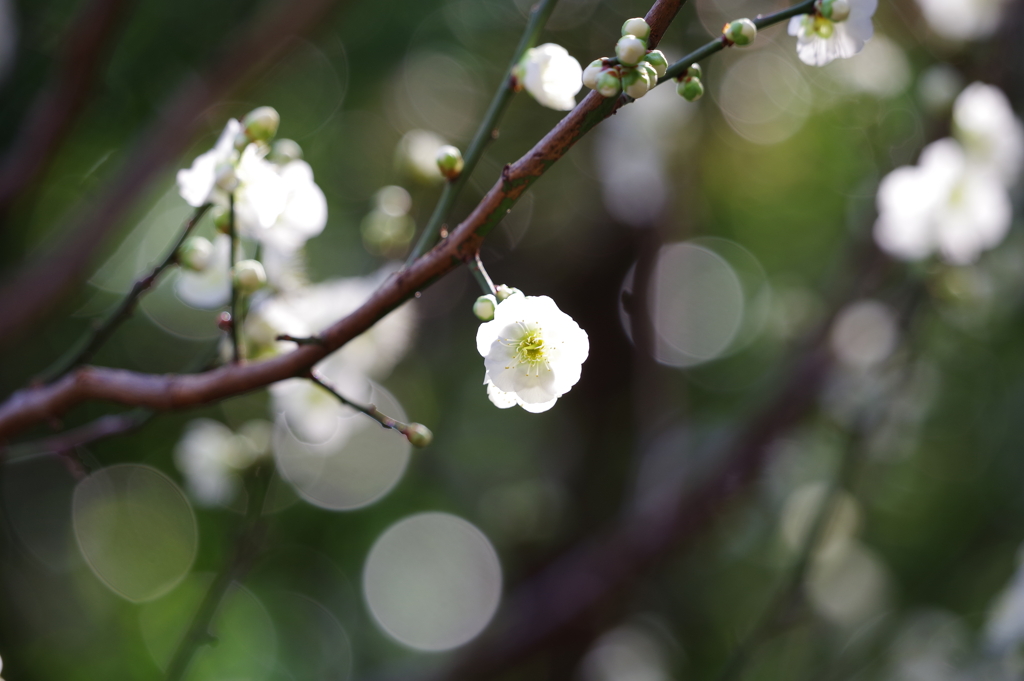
835 10
694 71
741 32
609 84
261 123
419 435
657 59
449 161
636 83
222 220
285 151
195 253
637 27
691 89
652 73
484 306
505 291
250 276
591 73
630 50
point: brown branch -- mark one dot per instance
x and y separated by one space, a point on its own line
165 392
44 282
52 115
94 431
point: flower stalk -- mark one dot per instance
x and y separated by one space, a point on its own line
476 266
416 433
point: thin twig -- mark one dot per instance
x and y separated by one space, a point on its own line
236 322
246 550
487 132
99 335
406 429
52 115
45 280
94 431
476 266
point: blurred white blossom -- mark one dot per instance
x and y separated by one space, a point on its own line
533 352
416 154
196 184
955 201
312 413
820 40
551 75
962 20
211 456
210 288
1004 630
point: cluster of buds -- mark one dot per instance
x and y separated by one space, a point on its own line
690 87
634 70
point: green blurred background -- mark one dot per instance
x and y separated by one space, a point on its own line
769 181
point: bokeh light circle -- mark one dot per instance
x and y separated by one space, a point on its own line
135 529
432 581
764 98
357 465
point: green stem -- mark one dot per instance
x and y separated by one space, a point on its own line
92 342
236 353
487 132
720 43
476 266
370 410
247 547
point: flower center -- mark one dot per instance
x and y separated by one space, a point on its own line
823 27
530 348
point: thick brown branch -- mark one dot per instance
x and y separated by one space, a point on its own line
52 114
32 405
45 281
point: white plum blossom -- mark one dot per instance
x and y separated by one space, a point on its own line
196 184
312 413
944 204
210 288
211 456
533 352
820 40
961 20
955 201
985 124
551 75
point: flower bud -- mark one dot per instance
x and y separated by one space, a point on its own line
609 84
694 71
224 321
637 27
449 161
484 306
285 151
656 58
591 73
636 83
261 123
741 32
652 73
195 253
835 10
691 89
250 276
418 435
222 220
630 50
226 179
506 291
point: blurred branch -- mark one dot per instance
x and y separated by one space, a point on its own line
236 322
46 280
93 341
487 131
52 115
94 431
246 550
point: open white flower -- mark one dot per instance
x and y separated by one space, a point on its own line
551 75
211 456
533 352
210 288
280 206
820 40
945 204
196 184
991 133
